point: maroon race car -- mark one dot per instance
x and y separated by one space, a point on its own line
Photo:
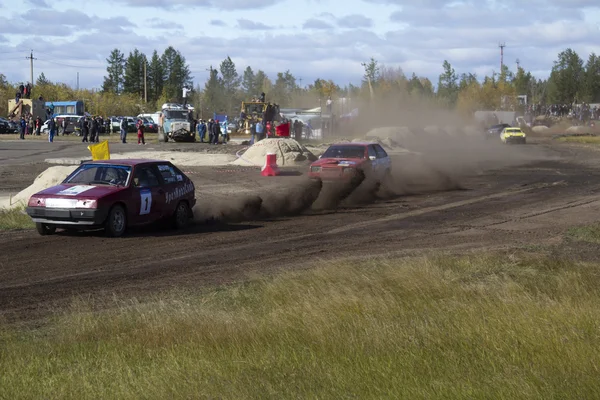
115 194
344 161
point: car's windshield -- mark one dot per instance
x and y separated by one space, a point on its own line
176 114
344 152
100 174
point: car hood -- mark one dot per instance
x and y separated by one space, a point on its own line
332 162
70 191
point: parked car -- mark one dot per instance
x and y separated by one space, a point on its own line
72 125
345 161
150 125
5 126
8 126
114 195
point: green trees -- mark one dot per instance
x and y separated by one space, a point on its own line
566 79
166 75
573 79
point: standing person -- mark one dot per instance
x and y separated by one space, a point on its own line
161 121
202 130
209 129
216 131
23 126
268 129
225 133
38 126
259 131
93 130
253 133
64 126
51 129
124 130
140 132
85 129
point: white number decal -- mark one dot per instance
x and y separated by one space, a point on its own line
146 198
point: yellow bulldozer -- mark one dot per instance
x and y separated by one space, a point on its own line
251 112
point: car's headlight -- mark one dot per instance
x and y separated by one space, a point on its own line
36 202
86 204
315 169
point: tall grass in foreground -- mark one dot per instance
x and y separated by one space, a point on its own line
475 327
15 218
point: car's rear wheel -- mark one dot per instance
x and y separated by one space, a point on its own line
183 215
116 222
45 229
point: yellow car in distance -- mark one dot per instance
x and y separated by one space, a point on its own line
512 135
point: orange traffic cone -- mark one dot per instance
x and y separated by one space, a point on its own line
270 168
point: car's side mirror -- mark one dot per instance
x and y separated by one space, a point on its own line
372 158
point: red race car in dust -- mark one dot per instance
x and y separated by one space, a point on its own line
345 161
114 195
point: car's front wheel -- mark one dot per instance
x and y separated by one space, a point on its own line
45 229
183 215
116 222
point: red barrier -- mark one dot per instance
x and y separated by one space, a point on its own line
270 168
283 130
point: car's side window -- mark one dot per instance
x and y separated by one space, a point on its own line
145 177
169 174
372 152
380 152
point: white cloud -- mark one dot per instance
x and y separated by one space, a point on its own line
310 38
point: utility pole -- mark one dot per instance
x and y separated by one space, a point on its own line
145 84
78 81
518 64
502 46
30 58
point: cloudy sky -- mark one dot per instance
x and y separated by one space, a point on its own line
312 38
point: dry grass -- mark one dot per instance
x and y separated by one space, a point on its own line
589 233
11 219
480 327
580 139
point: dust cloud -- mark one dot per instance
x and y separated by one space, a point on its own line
432 149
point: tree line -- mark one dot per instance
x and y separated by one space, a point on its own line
571 80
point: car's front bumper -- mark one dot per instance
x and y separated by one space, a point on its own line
67 216
515 140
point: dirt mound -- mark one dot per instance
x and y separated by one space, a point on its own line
50 177
578 129
289 153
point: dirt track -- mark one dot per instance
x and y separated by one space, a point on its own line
517 206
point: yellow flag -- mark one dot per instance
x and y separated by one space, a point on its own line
100 151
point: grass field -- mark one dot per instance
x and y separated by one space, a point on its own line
589 233
580 139
477 327
11 219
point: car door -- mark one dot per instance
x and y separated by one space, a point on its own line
173 183
383 160
373 161
148 195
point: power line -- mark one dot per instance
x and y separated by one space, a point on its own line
71 65
70 57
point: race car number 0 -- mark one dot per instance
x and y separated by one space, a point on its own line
146 197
